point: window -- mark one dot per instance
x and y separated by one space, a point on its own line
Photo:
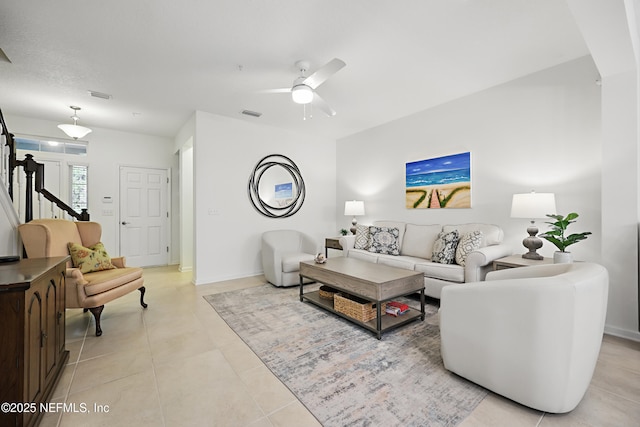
51 145
79 178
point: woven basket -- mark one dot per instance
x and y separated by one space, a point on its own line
327 292
355 307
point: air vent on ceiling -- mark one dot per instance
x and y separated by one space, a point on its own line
251 113
99 94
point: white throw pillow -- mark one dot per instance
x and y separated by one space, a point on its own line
468 243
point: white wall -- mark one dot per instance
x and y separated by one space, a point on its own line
615 48
107 151
225 152
540 132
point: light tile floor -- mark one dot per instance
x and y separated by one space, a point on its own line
177 363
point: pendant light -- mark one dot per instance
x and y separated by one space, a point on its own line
74 131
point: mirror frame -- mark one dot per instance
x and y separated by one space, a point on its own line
253 187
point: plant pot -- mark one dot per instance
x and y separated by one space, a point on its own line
560 257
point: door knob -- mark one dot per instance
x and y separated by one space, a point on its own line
125 223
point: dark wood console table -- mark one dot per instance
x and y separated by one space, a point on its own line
32 336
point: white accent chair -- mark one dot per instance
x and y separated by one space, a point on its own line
531 334
282 252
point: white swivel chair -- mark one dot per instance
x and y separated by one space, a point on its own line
282 251
531 334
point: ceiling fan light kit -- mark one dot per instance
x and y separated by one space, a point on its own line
74 131
302 94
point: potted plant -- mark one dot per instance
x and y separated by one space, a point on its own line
344 231
557 236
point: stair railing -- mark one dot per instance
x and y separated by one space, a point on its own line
33 170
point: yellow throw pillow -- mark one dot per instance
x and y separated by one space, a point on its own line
93 258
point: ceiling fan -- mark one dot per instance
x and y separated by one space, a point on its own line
303 88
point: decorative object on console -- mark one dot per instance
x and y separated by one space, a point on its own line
354 208
343 232
280 168
441 182
532 206
557 237
74 131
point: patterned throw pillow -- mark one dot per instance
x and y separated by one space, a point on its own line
384 240
444 248
469 242
93 258
362 237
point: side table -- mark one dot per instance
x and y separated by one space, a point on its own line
514 261
331 243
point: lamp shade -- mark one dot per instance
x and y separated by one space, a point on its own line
354 207
74 131
533 205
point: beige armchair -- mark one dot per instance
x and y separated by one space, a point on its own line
282 251
89 291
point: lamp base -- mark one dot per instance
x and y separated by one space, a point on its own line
532 243
354 221
533 255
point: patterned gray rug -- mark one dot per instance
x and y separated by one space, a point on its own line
341 372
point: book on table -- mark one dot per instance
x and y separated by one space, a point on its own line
395 308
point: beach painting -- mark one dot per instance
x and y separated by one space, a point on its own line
441 182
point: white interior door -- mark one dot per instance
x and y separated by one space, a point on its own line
144 216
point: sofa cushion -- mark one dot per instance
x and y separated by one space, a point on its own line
491 234
405 262
362 237
435 270
384 240
393 224
468 243
93 258
444 248
105 280
419 239
363 255
291 261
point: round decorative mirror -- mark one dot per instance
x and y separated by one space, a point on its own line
276 188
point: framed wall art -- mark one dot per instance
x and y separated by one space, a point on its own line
441 182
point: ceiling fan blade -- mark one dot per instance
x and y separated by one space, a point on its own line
322 74
321 104
281 90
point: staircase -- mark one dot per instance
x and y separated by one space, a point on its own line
10 167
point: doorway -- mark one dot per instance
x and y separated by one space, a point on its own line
144 216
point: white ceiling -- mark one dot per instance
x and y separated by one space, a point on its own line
164 59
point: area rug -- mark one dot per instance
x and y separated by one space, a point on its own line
341 372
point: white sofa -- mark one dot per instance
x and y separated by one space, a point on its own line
416 244
531 334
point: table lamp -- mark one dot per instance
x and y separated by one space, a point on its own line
532 206
354 208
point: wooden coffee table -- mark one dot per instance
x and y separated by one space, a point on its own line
373 282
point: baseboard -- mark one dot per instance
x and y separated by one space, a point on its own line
622 333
